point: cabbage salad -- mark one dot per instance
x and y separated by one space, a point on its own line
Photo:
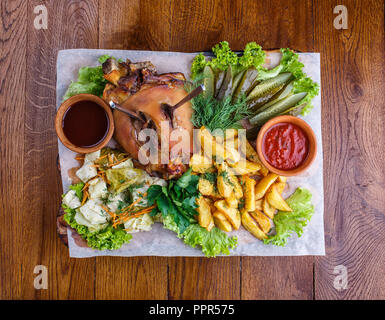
109 204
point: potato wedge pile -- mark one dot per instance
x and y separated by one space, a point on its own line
235 187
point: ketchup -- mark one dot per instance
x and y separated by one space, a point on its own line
285 146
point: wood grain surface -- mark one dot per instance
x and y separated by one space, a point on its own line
353 117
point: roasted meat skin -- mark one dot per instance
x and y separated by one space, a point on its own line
138 88
148 102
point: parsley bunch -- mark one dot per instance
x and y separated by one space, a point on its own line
177 200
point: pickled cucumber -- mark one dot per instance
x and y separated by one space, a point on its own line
278 108
208 82
267 86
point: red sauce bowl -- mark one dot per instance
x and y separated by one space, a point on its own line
311 145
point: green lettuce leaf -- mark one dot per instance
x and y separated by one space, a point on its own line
289 63
223 56
108 238
78 188
287 223
305 84
90 80
198 65
253 56
212 242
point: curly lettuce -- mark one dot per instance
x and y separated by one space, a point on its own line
212 243
78 188
253 56
288 223
90 80
108 238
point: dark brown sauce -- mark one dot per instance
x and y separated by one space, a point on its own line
85 124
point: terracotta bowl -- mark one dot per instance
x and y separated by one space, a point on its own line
306 129
63 109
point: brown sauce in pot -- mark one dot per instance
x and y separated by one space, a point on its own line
85 124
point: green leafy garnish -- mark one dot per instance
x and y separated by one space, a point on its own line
107 238
211 176
78 188
218 114
90 80
290 63
212 242
305 84
223 56
253 56
198 65
177 200
287 223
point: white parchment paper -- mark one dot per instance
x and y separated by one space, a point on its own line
162 242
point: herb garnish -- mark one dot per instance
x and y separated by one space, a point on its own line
219 114
178 199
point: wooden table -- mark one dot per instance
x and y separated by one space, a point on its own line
353 117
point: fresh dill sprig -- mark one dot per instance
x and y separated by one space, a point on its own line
218 114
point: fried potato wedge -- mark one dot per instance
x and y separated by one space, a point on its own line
264 185
263 221
204 212
201 164
209 146
252 155
280 186
252 226
224 184
249 192
221 221
244 167
231 154
205 187
281 179
276 200
231 214
258 204
232 201
210 226
237 188
268 209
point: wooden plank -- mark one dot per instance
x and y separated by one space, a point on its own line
353 116
137 278
277 278
204 278
12 104
71 24
134 26
199 25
